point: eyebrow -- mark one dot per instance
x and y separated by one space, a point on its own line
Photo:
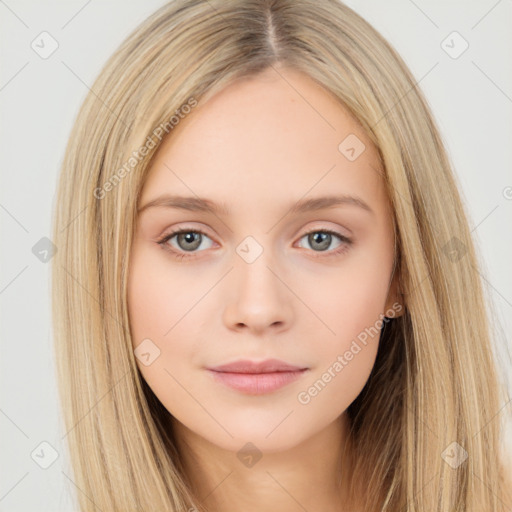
205 205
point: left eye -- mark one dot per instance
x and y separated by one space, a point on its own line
322 239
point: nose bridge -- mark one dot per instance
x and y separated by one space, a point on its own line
258 297
253 267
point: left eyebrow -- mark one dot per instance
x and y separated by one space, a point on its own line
208 206
321 203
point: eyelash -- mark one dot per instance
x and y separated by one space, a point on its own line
347 242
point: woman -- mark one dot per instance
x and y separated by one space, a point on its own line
255 370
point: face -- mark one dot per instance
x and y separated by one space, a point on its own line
254 277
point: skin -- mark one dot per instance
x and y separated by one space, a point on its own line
258 147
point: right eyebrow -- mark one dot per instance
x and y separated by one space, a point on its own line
185 203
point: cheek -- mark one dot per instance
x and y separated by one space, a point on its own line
163 305
348 303
351 306
158 296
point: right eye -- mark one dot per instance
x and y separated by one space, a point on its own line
188 240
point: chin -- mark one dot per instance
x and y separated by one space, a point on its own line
273 434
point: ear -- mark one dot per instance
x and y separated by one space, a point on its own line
395 305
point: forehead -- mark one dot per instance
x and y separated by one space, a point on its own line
275 137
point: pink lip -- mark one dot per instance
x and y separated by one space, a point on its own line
267 366
257 378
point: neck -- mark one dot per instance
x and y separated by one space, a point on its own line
310 476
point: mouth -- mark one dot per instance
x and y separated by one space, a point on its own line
257 378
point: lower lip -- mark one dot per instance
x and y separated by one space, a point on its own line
257 383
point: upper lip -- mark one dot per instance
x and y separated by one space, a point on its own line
247 366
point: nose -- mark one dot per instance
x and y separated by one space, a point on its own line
258 297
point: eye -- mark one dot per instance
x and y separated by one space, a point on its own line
189 240
321 239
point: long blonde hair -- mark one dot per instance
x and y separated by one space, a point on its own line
435 381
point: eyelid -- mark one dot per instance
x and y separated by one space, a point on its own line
323 228
181 228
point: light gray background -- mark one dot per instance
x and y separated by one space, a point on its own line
471 97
